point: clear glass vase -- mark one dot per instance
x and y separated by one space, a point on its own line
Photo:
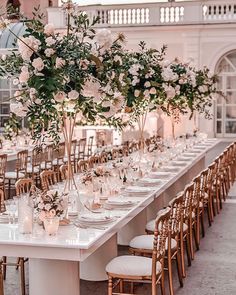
25 215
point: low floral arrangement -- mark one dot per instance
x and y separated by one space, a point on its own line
97 172
50 204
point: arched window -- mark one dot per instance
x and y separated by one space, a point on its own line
226 107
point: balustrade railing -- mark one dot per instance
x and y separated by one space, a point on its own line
159 14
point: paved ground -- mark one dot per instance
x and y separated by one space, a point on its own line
213 272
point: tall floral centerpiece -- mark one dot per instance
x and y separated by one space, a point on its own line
144 93
186 90
65 77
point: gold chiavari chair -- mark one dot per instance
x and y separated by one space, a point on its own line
48 178
33 167
20 169
3 164
23 186
187 223
133 268
94 160
213 187
83 165
58 159
115 153
205 195
64 171
142 244
47 158
89 147
104 157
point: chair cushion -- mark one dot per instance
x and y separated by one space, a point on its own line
146 242
48 165
59 162
150 226
30 169
185 227
132 266
13 175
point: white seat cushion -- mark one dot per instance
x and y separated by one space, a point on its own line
150 226
30 169
132 266
146 242
59 162
13 175
48 165
185 227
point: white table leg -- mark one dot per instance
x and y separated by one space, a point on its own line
132 229
93 268
49 277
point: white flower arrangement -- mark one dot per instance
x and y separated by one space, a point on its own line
50 204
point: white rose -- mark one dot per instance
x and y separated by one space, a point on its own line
18 109
73 94
118 59
28 46
91 88
104 38
50 41
15 82
24 77
49 52
32 91
147 84
38 64
49 29
59 96
203 88
153 90
136 93
60 62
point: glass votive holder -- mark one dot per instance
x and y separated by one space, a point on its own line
25 216
51 225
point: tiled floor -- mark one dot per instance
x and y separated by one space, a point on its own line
213 272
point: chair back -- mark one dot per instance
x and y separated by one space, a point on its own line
83 165
187 201
161 233
90 146
2 199
81 149
21 162
3 164
176 217
23 186
48 178
64 171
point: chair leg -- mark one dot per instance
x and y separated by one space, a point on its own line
154 287
22 275
163 292
4 267
179 268
202 223
188 250
195 235
182 256
121 286
190 237
109 285
1 280
18 263
169 262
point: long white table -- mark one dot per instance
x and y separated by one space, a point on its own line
54 261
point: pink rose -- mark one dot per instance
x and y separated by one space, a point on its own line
59 96
38 64
49 29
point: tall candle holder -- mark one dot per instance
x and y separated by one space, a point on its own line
25 215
